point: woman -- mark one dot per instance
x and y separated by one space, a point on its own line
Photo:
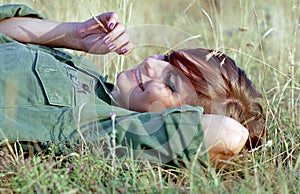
50 95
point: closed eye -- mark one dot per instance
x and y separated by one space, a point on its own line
170 83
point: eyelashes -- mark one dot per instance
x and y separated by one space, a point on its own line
170 84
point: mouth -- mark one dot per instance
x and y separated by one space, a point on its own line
139 79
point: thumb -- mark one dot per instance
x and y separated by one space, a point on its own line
109 20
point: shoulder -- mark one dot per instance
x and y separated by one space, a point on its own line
18 10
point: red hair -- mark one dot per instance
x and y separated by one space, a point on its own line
223 88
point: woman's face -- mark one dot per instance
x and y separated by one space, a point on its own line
154 85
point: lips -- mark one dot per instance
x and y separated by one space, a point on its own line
138 78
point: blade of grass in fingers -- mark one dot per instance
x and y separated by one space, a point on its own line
96 19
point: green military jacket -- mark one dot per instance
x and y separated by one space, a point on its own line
49 95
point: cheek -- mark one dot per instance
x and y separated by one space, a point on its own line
138 101
153 99
127 89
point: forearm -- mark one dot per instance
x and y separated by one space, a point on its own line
37 31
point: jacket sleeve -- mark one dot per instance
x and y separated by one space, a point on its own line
16 10
174 136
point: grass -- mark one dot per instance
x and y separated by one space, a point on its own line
263 38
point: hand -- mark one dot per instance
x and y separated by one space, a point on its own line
102 39
224 136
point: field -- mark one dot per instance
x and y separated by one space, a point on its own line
263 37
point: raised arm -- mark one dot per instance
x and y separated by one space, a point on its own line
88 36
224 136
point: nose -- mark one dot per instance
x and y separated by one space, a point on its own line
150 67
154 67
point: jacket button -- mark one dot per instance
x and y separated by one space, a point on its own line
85 87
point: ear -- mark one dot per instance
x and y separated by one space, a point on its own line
157 106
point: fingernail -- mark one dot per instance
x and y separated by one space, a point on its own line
111 25
124 50
111 47
106 39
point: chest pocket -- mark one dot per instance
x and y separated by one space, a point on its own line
52 74
64 83
83 84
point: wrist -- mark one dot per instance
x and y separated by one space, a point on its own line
73 37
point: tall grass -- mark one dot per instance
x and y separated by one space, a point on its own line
262 36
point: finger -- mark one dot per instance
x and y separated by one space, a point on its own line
114 34
109 20
125 49
120 41
120 44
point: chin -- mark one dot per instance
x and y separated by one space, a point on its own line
137 109
120 76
